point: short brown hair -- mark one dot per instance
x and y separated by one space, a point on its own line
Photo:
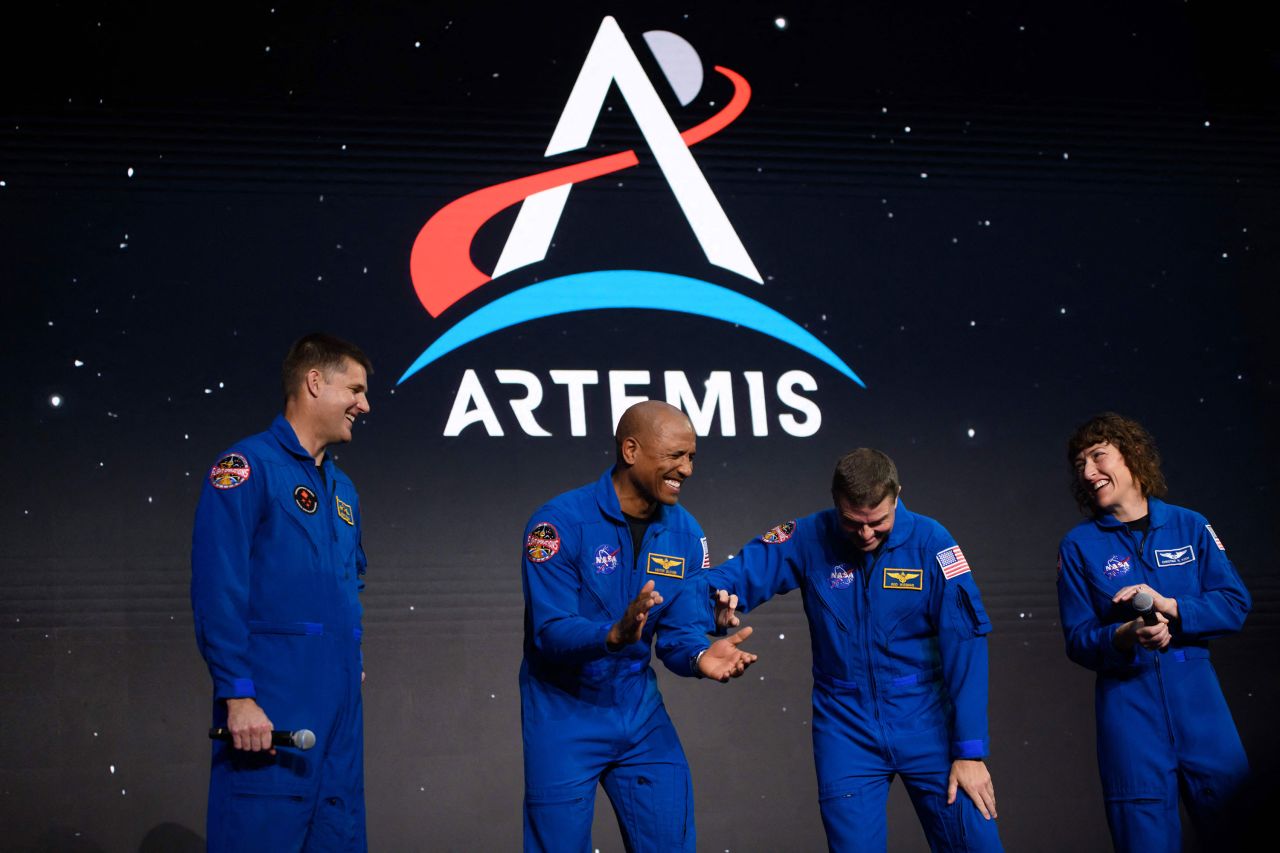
322 352
865 477
1134 443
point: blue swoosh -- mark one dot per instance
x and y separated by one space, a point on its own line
605 289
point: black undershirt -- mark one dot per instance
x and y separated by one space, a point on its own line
1139 525
638 527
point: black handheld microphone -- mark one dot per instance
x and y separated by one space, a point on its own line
301 739
1145 606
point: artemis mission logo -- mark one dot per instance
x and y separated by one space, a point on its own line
443 272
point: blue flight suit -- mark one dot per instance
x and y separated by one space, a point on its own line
1163 723
276 566
899 669
590 715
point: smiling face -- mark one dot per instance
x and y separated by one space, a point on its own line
865 527
340 398
655 460
1102 471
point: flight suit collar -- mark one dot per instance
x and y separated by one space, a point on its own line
1157 509
607 499
282 431
904 522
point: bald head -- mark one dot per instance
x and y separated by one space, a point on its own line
646 419
656 445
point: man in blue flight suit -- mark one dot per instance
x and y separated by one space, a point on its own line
609 569
276 566
1163 724
898 635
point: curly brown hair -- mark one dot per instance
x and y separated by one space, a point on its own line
1134 443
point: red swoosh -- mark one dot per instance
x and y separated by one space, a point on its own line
440 263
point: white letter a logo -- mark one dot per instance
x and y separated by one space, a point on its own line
611 60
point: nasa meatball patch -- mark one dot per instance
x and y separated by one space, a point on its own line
231 470
543 542
606 560
1117 566
778 535
841 577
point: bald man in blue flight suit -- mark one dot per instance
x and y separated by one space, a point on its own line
276 566
898 634
610 570
1163 723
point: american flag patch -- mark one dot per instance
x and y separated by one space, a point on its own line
1216 540
952 562
706 554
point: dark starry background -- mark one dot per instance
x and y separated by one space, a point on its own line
184 190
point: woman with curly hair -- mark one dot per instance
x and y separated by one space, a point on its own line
1142 587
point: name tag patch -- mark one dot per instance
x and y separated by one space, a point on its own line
667 567
1175 556
904 579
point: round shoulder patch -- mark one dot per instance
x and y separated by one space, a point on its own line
543 542
230 471
306 500
779 534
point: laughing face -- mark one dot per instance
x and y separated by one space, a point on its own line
342 398
660 459
867 527
1102 470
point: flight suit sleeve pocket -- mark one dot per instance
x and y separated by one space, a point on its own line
295 628
973 616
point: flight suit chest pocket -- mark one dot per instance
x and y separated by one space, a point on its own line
832 599
603 578
900 594
298 511
346 533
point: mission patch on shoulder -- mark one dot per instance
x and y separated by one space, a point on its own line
230 471
543 542
779 534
